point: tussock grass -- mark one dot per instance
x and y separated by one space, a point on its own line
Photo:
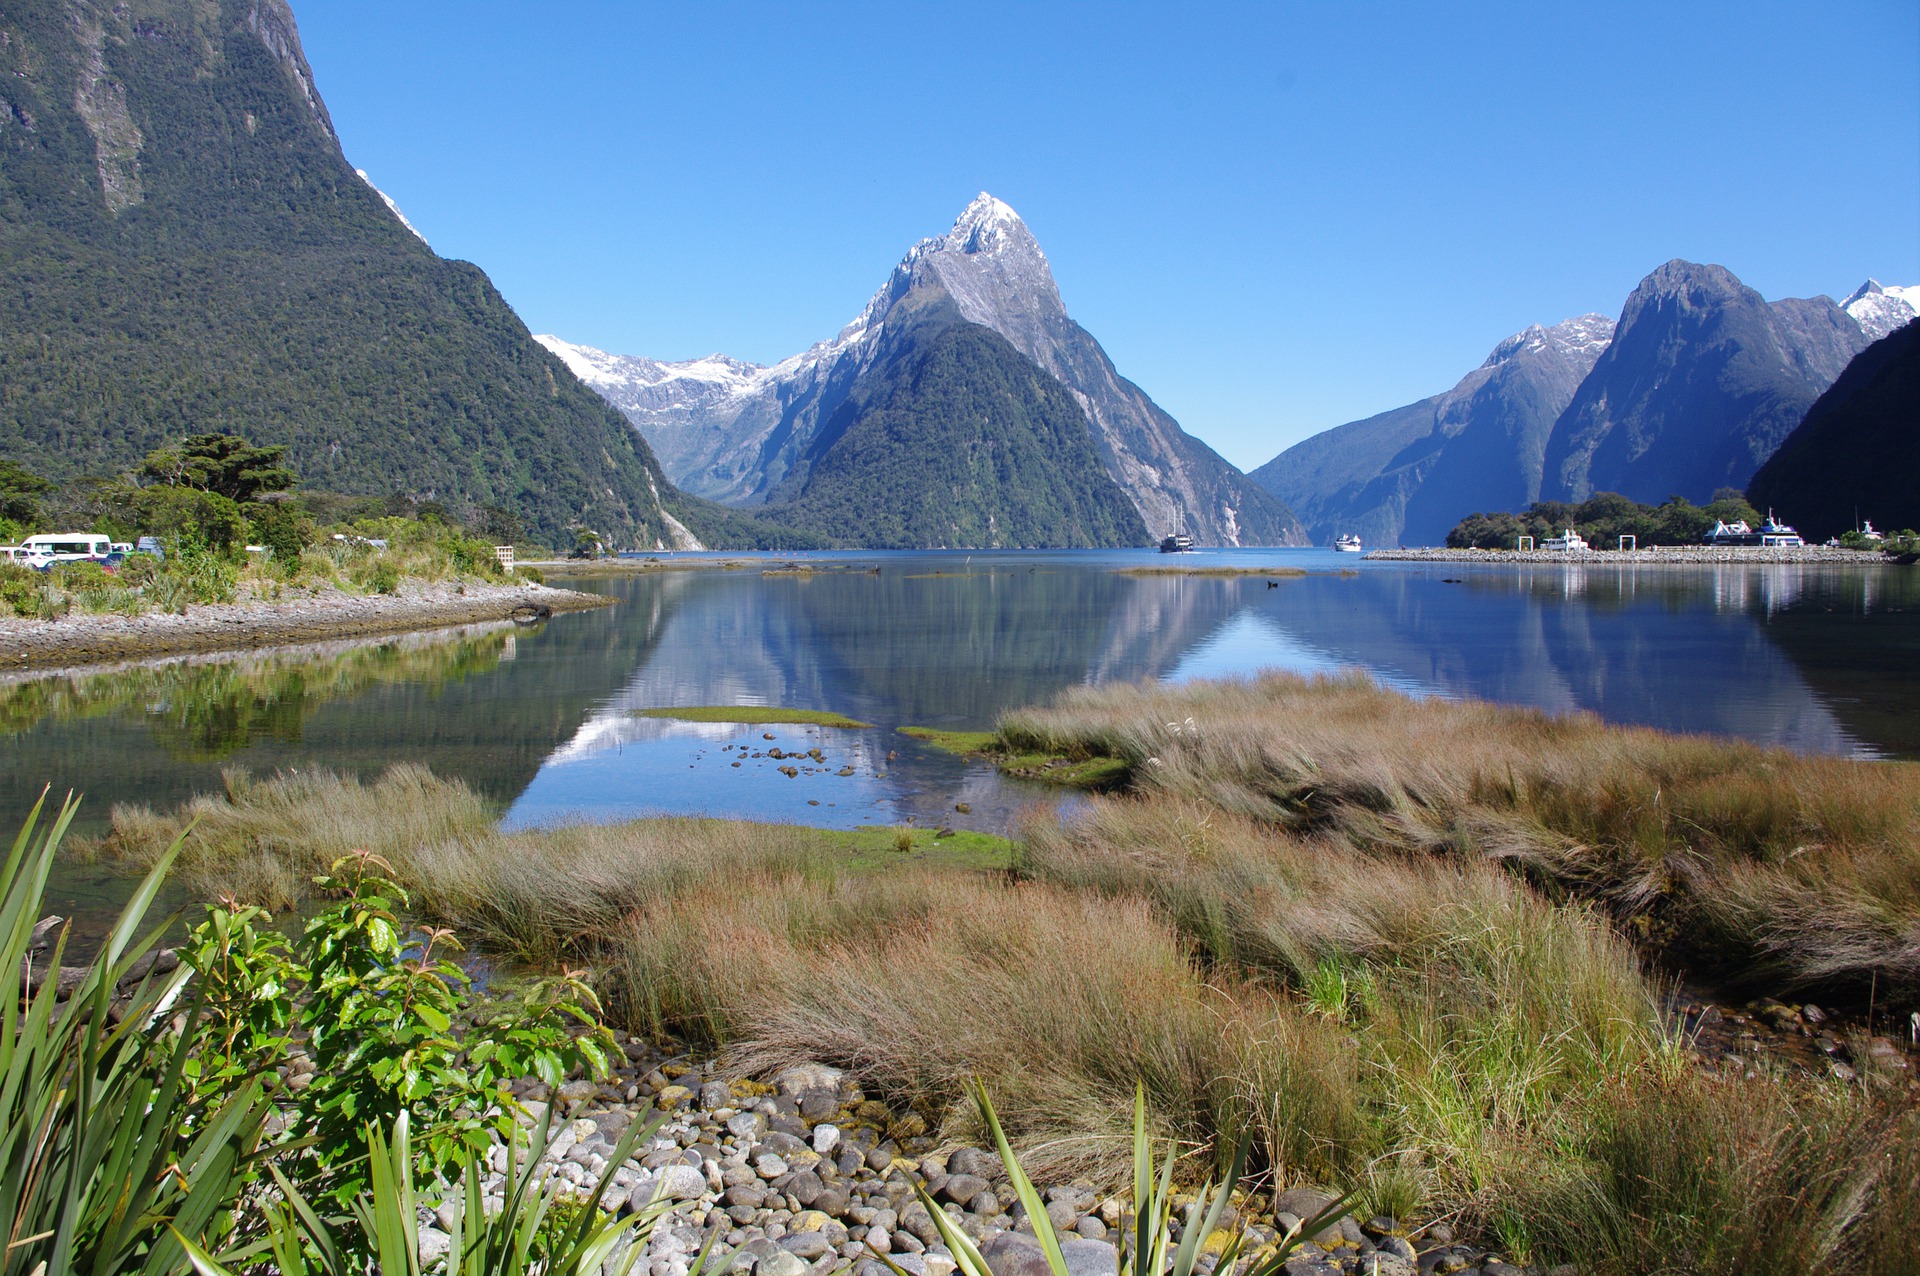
263 840
1714 1177
1480 1014
555 894
1059 1000
1804 871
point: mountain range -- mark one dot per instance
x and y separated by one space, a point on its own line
1856 454
1690 390
765 436
184 248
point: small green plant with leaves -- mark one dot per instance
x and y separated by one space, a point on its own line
376 1009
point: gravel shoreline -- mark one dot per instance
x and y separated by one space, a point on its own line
1664 556
84 639
803 1174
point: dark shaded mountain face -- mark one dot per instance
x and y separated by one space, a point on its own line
1702 382
183 248
1857 453
1406 476
746 434
956 440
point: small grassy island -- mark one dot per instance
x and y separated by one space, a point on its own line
1516 988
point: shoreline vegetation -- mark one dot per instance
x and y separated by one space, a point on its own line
1423 949
298 616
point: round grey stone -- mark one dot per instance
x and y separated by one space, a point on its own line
962 1188
782 1262
808 1245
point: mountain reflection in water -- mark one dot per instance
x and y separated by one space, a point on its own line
542 720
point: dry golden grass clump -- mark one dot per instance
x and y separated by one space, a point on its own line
1801 870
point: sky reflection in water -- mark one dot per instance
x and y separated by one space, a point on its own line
1813 658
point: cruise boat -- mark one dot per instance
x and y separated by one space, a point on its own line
1771 533
1348 544
1774 532
1567 540
1176 544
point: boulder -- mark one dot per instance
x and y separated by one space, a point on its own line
975 1162
782 1262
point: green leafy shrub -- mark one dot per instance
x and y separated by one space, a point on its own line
23 592
376 1011
285 532
376 575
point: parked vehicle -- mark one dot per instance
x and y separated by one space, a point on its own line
150 545
49 548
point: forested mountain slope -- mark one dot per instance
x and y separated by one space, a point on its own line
184 248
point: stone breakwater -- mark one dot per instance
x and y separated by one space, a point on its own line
1663 556
804 1175
301 616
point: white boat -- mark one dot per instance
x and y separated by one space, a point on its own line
1773 532
1348 544
1178 543
1568 540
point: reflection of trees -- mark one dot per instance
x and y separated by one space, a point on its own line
1677 649
1854 635
158 733
208 710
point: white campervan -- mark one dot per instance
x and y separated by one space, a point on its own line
66 547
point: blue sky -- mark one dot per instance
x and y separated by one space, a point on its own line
1276 217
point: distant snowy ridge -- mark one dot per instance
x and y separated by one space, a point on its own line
745 434
1880 309
392 207
1584 335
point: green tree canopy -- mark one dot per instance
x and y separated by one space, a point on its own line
224 464
18 488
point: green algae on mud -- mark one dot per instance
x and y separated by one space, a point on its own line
754 715
1097 773
960 742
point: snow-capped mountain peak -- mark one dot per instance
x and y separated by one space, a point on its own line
987 225
392 207
1581 338
1879 309
715 372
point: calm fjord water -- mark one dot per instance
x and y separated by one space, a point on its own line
1817 659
